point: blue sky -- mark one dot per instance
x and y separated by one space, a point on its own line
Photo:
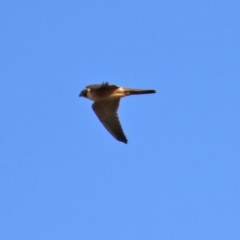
63 176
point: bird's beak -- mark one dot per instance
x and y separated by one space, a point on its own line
81 94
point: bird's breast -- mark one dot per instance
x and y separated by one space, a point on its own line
103 95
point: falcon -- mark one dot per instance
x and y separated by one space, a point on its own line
106 99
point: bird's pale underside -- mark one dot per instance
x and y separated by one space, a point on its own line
106 99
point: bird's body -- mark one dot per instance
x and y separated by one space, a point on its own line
106 99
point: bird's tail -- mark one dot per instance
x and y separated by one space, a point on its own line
131 91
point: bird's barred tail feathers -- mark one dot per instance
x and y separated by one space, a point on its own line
138 91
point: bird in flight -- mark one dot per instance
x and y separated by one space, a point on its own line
106 99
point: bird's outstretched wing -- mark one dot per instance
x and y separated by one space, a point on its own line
106 111
104 85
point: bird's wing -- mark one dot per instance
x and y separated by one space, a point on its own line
102 86
106 111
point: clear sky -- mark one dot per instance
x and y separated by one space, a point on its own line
63 176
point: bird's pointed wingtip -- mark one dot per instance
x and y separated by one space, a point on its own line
123 140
